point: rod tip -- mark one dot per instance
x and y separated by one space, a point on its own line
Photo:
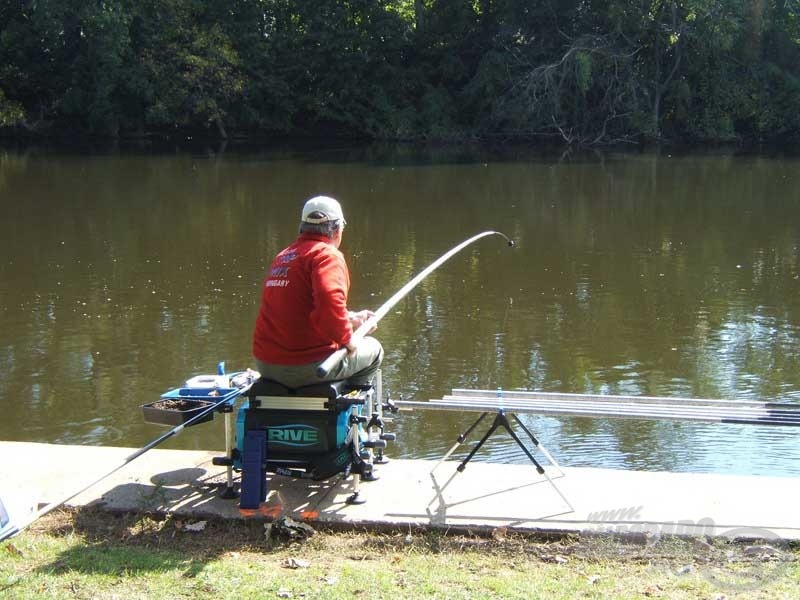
510 243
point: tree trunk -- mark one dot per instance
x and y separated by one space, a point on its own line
757 10
419 15
221 127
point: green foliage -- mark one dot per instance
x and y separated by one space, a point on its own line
99 69
405 9
583 71
192 66
11 113
436 111
588 71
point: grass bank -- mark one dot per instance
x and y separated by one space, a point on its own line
94 554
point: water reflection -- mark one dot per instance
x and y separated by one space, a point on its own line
123 274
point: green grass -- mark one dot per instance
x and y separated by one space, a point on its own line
90 554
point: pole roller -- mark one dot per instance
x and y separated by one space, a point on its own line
334 359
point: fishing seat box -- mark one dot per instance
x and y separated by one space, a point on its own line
306 430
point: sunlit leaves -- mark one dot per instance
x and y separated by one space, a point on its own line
11 113
581 69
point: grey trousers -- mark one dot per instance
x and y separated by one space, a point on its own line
357 369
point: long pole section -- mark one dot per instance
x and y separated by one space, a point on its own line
335 358
172 432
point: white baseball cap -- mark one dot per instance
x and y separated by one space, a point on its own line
321 209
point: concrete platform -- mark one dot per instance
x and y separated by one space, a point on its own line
414 493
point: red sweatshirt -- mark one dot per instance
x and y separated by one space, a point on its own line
303 314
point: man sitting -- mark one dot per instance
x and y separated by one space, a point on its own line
303 316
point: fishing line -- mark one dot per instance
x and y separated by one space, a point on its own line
334 359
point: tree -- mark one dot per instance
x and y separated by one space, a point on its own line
37 42
584 71
193 66
11 113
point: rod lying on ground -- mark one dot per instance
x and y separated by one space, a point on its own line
35 516
335 358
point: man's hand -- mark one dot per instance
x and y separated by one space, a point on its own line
357 319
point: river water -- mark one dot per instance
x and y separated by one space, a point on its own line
124 273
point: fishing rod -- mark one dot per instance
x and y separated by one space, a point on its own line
335 358
162 438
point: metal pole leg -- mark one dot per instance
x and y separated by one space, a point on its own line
477 447
539 445
460 440
355 497
539 468
229 492
379 393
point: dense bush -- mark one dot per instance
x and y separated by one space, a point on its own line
583 71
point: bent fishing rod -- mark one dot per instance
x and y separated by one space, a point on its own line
29 520
334 359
